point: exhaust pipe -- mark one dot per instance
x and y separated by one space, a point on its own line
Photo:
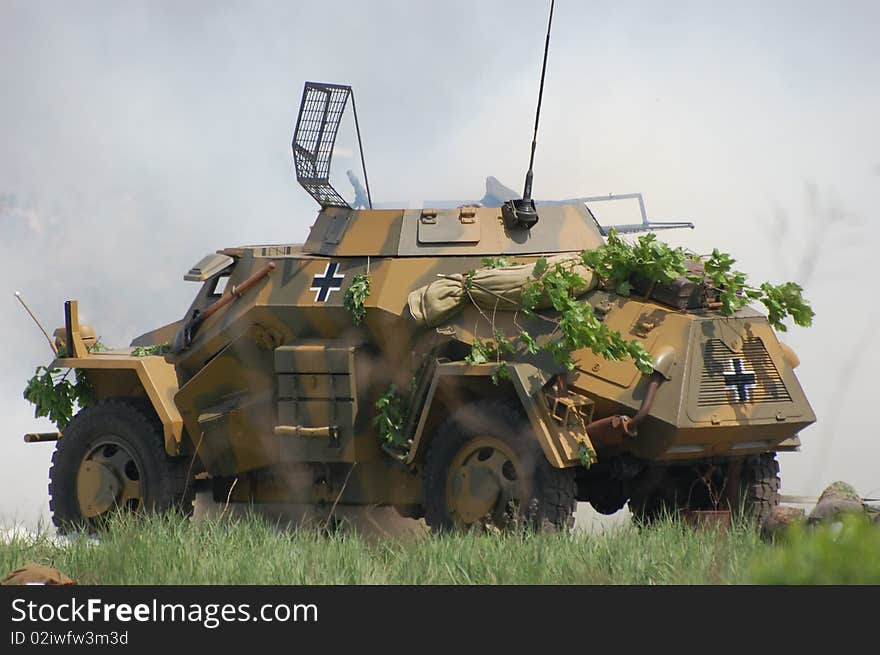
614 430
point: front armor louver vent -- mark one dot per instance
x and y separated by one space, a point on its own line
747 376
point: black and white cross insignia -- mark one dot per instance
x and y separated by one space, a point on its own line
740 380
326 283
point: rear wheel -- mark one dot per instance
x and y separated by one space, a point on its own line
751 483
759 485
485 468
112 457
654 506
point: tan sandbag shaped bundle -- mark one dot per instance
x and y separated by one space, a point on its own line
36 574
491 288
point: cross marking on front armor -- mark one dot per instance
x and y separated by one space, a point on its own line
740 380
326 283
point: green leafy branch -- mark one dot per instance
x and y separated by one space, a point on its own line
576 327
146 351
390 417
496 262
54 395
483 352
618 265
96 347
781 300
586 455
356 297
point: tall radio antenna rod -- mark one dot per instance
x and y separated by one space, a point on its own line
527 191
39 325
521 213
357 127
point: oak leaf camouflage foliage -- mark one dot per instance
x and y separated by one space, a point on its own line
618 263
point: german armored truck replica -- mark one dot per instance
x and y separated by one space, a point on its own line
341 371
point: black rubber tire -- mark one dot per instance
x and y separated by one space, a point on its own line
758 492
551 503
163 478
650 509
607 496
759 485
666 499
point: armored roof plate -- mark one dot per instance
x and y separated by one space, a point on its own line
340 232
449 226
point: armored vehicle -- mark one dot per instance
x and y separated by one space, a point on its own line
341 371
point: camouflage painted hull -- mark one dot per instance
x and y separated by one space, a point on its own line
278 388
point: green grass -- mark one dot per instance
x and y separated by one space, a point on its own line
172 550
842 553
250 550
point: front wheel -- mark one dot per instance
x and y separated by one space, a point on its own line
485 468
112 457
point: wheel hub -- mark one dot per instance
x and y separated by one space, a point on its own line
109 476
475 491
483 480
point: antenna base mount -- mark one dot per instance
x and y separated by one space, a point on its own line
519 213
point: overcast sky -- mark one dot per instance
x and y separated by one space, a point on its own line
137 137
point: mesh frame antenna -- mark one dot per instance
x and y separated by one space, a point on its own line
317 124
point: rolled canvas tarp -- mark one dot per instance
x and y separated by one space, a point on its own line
490 288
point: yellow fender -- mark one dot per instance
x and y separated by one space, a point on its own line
560 444
115 374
